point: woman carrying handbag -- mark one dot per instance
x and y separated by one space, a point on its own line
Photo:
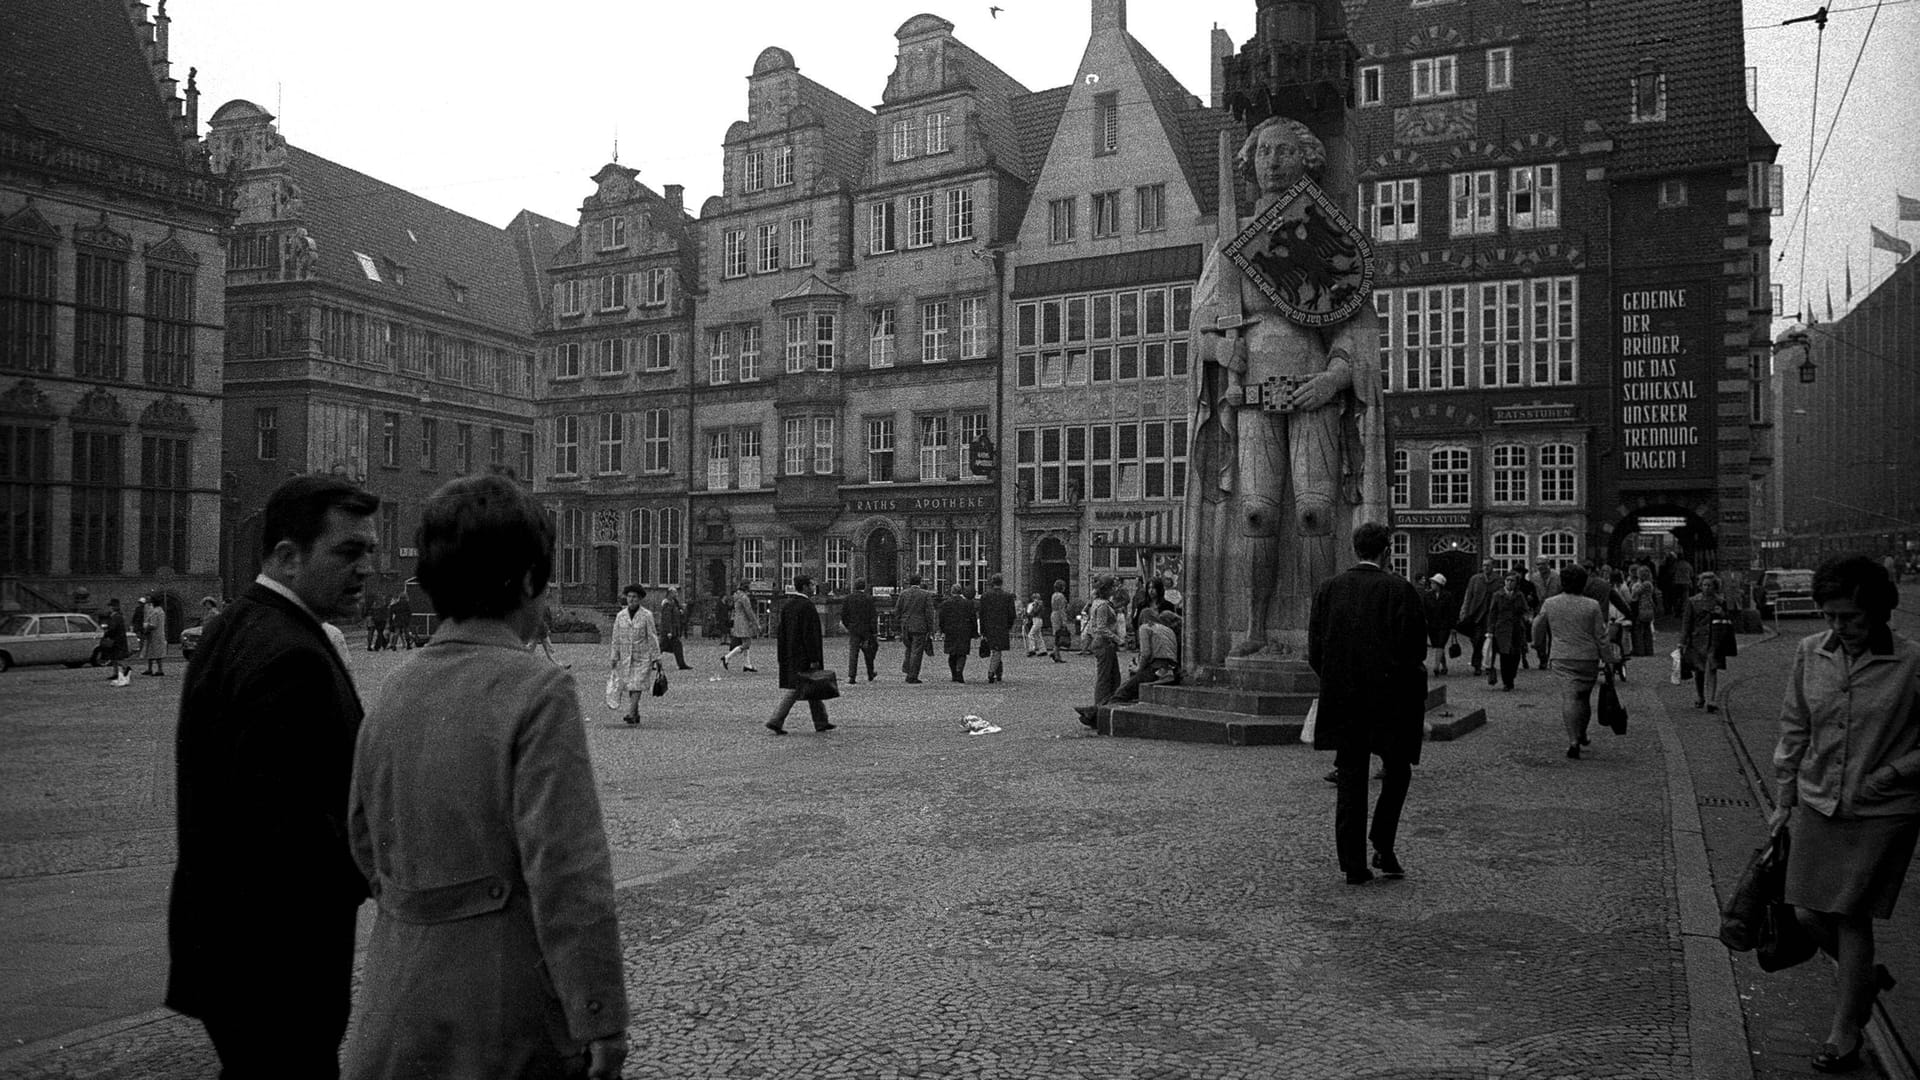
1706 640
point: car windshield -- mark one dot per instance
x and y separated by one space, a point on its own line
14 624
1791 580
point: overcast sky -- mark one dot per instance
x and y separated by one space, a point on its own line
490 115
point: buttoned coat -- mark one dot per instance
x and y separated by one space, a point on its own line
496 951
1367 641
916 610
797 639
857 614
959 623
998 618
264 887
1509 621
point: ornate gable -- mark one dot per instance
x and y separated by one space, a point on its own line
170 249
98 406
101 235
26 399
28 220
168 413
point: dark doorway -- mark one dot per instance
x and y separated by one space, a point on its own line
606 576
1050 565
717 578
1655 532
1458 566
883 559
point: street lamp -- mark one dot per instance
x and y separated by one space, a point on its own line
1807 368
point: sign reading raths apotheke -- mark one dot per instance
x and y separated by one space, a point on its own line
1663 388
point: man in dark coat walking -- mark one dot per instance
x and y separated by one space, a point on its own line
798 648
1366 638
260 925
863 633
671 624
959 624
916 626
999 615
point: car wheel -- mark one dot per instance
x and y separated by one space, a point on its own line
5 661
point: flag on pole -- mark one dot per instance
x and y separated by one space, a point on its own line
1888 242
1909 208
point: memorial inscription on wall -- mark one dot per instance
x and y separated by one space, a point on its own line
1662 388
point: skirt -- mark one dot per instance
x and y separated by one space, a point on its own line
1848 866
1643 638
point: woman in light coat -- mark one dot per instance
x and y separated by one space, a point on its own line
495 951
1848 769
154 637
1706 624
1572 628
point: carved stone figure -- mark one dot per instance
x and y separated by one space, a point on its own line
1289 445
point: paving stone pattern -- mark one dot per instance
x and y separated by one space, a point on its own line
899 899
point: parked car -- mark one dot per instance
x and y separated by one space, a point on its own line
190 640
1786 592
61 637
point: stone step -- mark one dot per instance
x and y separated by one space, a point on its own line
1179 724
1267 703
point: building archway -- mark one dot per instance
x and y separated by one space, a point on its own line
1657 530
1050 565
883 559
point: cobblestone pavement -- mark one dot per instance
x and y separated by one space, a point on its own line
898 899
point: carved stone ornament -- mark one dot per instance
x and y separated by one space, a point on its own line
26 399
28 220
100 407
101 235
170 249
606 528
167 413
1306 256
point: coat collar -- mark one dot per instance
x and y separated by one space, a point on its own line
1879 643
485 632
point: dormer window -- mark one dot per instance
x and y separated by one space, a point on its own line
367 265
395 272
1649 93
613 233
458 290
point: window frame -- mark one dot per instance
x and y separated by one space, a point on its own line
1062 215
880 226
1450 478
1366 96
1500 63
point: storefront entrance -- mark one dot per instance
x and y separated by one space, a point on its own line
883 559
1050 565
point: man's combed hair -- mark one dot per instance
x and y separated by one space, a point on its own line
297 510
1370 540
480 537
1857 578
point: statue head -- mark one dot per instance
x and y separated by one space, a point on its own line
1279 151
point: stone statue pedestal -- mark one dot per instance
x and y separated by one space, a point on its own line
1250 701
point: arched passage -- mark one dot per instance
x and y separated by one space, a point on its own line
1050 565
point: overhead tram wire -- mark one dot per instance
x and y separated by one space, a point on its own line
1830 11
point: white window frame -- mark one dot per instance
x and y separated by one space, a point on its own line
793 553
753 564
613 233
1658 112
766 248
1474 198
936 132
1061 224
959 214
1104 218
659 351
793 445
1450 478
750 340
904 132
1560 547
566 444
719 459
1559 474
1150 208
920 221
1402 489
1672 193
1503 348
880 448
753 173
610 442
880 221
1511 472
746 450
823 444
839 564
826 341
1507 550
1435 77
567 360
782 166
733 247
800 241
1538 186
1400 200
719 357
935 445
936 317
882 336
657 285
798 342
1400 554
973 327
1370 85
1500 68
656 447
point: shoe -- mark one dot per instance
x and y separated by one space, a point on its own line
1477 671
723 663
1332 777
1829 1059
1699 704
774 726
1058 660
1359 877
853 680
957 678
632 720
911 679
751 670
1088 715
1388 866
1711 707
1573 752
1508 688
824 727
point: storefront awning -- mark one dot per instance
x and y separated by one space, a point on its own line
1160 530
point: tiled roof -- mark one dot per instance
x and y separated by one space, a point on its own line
536 240
1202 128
849 128
349 213
74 68
1036 117
1698 46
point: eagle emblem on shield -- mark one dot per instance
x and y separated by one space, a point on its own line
1306 256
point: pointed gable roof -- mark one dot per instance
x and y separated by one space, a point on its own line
74 69
536 240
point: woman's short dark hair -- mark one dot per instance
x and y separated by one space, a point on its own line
1573 579
1860 579
480 537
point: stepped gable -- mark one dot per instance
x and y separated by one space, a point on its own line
959 68
76 69
349 212
1700 49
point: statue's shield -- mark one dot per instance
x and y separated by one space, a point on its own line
1310 259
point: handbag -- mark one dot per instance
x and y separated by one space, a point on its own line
984 651
1453 647
1724 641
1612 714
1756 916
819 685
659 682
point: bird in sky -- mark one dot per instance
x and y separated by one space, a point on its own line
995 11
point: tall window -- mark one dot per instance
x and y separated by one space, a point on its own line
800 241
719 460
1400 554
526 457
573 546
973 327
1500 68
657 284
734 254
919 221
613 291
792 556
1509 475
164 503
26 494
497 447
1559 548
767 248
1106 213
1434 77
1060 221
936 133
266 434
612 353
463 448
934 448
880 337
1649 99
750 352
753 565
640 546
969 560
782 166
880 449
94 537
839 564
168 359
1502 326
905 139
880 228
26 304
569 297
670 537
1150 207
1449 478
610 442
1558 474
823 445
613 233
794 445
747 445
1474 203
931 556
1509 552
1106 123
753 171
811 342
1402 480
566 445
1521 332
657 447
1396 210
1533 197
720 357
1371 90
429 443
100 316
933 331
1436 337
659 352
959 214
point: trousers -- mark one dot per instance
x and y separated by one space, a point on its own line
1350 831
859 645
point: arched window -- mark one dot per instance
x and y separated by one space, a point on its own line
1649 92
1402 480
1450 477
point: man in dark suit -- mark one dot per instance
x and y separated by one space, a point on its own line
999 615
959 624
671 623
260 925
863 634
1366 639
916 626
797 641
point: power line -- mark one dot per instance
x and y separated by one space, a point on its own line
1830 11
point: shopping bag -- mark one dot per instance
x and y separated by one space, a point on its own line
1453 647
1743 916
1612 714
1676 675
616 693
1313 722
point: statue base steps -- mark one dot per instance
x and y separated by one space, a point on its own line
1251 701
